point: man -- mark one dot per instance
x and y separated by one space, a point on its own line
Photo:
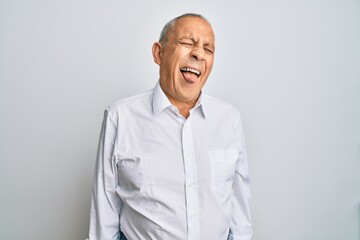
172 162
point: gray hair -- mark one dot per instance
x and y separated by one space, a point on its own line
168 27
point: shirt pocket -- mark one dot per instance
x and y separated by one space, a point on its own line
222 163
129 176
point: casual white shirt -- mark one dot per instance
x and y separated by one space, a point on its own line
161 176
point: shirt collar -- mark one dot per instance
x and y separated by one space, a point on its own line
160 101
201 104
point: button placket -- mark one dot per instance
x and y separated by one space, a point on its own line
191 191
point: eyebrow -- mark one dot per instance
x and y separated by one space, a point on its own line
194 40
187 38
210 45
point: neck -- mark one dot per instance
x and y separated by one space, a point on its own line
183 107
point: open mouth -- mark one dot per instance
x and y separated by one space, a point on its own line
190 70
190 74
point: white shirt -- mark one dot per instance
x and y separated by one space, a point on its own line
160 176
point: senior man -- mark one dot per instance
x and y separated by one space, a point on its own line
171 162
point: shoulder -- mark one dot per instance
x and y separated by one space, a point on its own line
136 103
216 105
221 110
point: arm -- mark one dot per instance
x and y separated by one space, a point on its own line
240 226
105 204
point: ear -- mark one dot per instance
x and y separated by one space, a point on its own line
157 50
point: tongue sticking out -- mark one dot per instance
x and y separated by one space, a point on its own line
190 77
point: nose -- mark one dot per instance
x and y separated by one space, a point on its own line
198 53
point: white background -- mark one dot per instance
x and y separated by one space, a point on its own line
292 68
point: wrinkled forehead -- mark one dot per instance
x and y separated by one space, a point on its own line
195 27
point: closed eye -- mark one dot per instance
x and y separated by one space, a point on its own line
187 43
209 50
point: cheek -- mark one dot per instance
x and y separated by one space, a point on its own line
210 62
176 71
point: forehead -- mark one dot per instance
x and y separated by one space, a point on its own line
194 27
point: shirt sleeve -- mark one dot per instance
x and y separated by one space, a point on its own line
105 203
240 225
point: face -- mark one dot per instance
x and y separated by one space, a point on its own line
186 60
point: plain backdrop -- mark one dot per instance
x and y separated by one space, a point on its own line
291 67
